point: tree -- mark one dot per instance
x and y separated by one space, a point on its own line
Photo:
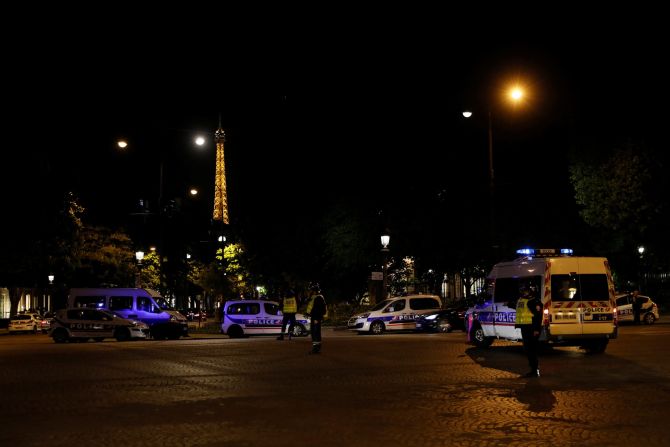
614 193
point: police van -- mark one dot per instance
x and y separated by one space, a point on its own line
394 314
258 317
577 293
145 305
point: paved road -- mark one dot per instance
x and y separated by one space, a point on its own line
394 390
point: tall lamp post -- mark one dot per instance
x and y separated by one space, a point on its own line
139 255
515 95
385 239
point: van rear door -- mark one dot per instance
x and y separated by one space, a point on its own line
580 297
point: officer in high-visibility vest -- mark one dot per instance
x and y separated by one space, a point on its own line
289 308
529 320
316 310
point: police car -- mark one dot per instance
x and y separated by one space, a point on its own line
577 295
258 317
648 312
81 324
394 314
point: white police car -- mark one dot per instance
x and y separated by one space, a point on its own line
258 317
648 312
394 314
81 323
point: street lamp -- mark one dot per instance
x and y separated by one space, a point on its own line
51 279
515 95
385 239
139 255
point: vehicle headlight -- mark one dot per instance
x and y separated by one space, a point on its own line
365 315
431 317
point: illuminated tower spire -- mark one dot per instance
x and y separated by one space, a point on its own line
220 194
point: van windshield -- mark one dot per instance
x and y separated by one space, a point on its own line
163 304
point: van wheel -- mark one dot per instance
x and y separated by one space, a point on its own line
377 328
596 347
235 332
122 334
479 338
649 318
60 336
298 330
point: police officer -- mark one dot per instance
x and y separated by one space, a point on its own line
529 320
289 308
316 310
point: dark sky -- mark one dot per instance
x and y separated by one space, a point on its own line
356 126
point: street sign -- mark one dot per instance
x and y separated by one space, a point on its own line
377 276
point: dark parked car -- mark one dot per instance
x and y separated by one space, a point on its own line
443 320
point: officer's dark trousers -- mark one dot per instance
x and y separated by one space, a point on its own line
289 319
316 334
531 345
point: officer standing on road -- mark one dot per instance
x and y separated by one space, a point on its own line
289 308
316 310
529 320
637 306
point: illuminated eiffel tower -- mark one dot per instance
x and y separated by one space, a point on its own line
220 194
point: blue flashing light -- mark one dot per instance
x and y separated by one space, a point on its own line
544 252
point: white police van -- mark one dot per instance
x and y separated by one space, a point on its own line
145 305
80 324
577 294
258 317
394 314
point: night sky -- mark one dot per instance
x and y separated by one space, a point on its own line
379 130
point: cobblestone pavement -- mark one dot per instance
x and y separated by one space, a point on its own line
396 390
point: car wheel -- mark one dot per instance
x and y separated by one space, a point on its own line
299 330
60 336
479 338
34 331
649 318
443 325
377 328
235 332
122 334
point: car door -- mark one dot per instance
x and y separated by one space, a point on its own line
624 307
273 318
394 315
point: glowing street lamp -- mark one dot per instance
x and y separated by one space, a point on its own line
139 255
385 239
515 95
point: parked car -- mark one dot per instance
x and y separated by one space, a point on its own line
258 317
81 324
624 304
394 314
26 322
443 320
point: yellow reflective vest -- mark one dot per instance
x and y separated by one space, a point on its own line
523 313
290 305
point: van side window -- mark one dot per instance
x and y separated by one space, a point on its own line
395 306
144 304
423 303
506 290
120 302
89 301
271 308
